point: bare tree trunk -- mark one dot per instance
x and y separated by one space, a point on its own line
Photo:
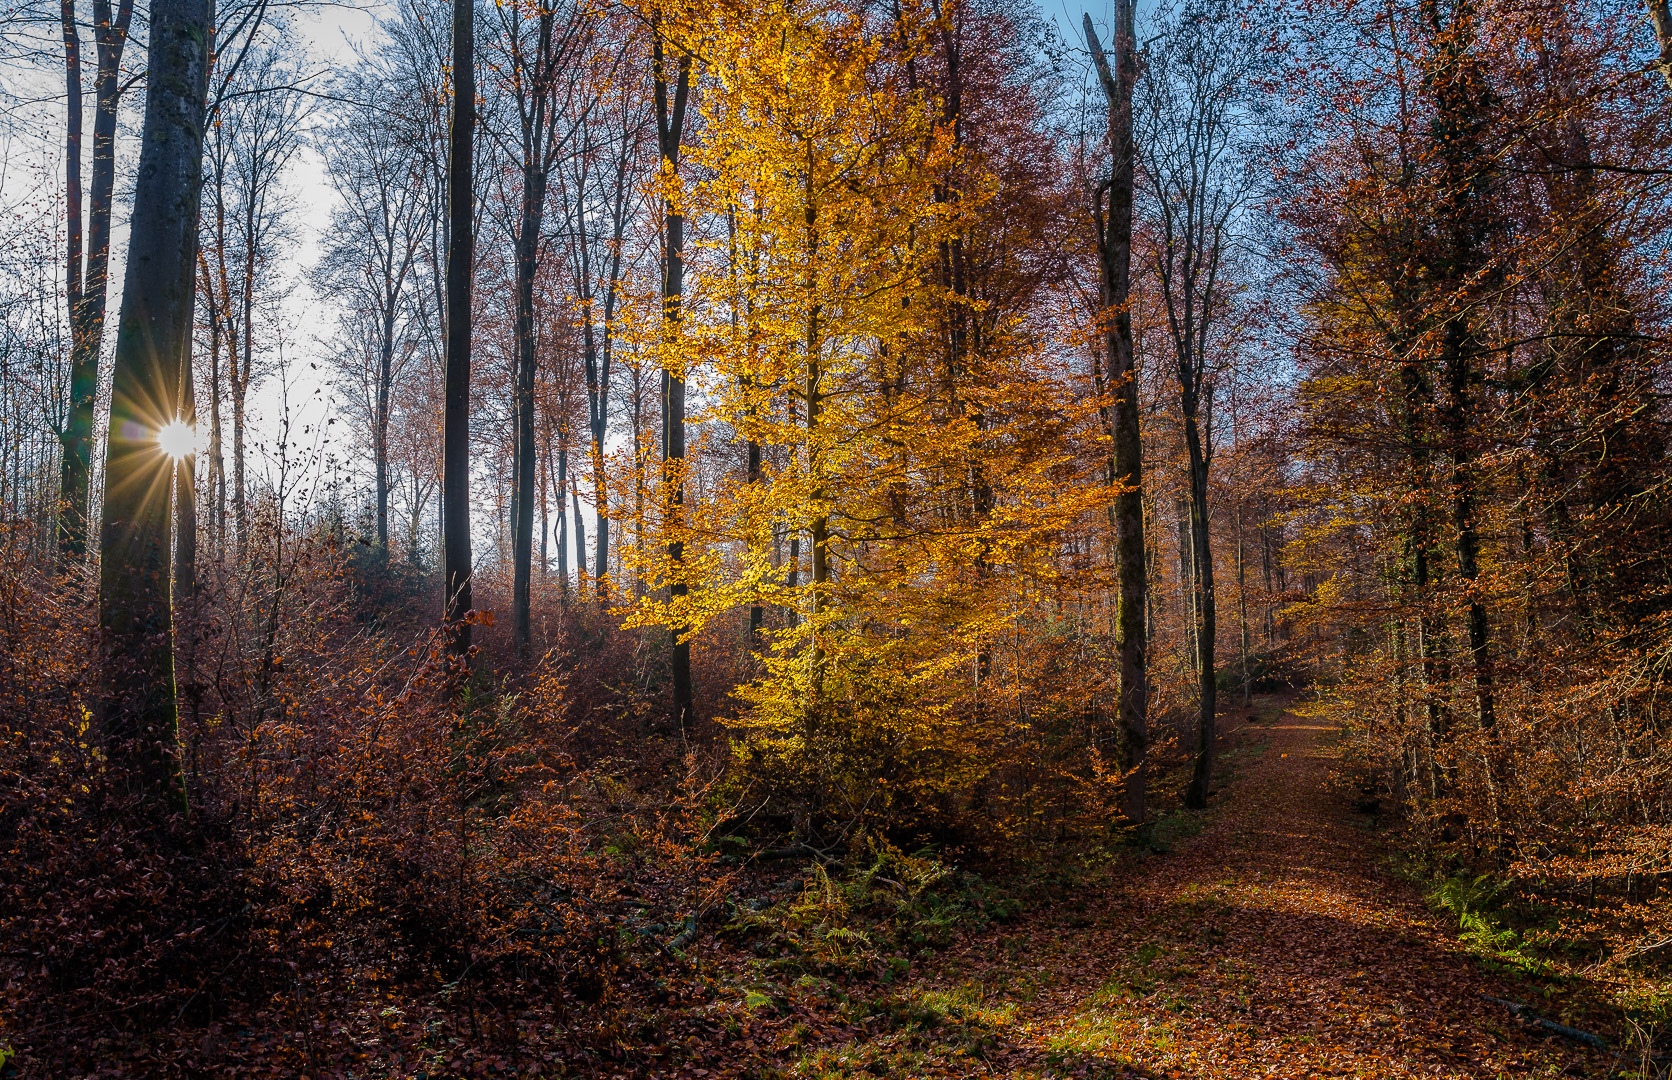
1242 605
638 477
1202 775
580 539
461 257
217 461
1125 467
1265 567
522 456
756 613
87 290
73 467
558 485
139 708
185 494
670 126
545 509
821 523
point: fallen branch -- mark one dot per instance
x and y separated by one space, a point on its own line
685 936
1525 1014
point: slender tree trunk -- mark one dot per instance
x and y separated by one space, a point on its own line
1125 467
242 378
139 707
461 258
522 458
217 462
185 496
185 605
545 509
580 539
1242 605
638 479
1201 777
240 517
1460 409
670 118
599 356
820 526
1265 568
73 467
756 613
380 427
87 289
1187 582
562 516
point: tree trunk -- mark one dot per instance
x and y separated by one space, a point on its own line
217 460
1201 777
461 254
580 539
545 508
139 707
1265 569
74 465
558 486
380 426
821 522
185 545
1242 606
522 457
1125 466
1456 86
185 493
670 123
756 613
87 296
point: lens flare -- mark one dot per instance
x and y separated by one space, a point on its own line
177 440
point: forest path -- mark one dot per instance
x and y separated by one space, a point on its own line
1272 944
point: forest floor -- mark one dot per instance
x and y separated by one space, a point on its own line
1275 942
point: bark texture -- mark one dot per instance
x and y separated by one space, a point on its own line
152 338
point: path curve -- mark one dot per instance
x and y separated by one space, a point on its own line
1273 944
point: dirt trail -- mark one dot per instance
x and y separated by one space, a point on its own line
1270 945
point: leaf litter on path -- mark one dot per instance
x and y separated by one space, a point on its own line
1270 945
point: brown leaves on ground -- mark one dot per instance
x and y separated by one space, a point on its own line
1272 945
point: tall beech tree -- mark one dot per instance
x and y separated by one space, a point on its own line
456 567
152 343
1195 98
539 74
1117 375
671 99
87 265
601 186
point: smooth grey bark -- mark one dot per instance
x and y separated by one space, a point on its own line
1125 467
139 708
